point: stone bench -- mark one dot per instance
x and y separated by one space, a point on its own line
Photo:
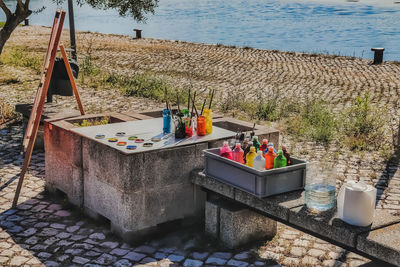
379 242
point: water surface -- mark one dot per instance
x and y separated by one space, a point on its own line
334 27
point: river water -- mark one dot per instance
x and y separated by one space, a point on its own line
314 26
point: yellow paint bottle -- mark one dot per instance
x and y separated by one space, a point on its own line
207 113
250 156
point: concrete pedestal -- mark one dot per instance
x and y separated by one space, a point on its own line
234 225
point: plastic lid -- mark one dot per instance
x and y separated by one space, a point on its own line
270 144
271 149
280 152
252 149
226 143
265 141
360 186
259 153
238 145
255 137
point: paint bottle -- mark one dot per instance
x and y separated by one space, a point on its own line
247 150
166 121
269 158
264 146
256 143
287 155
251 156
201 126
208 115
179 126
238 153
270 144
280 160
186 117
259 161
225 151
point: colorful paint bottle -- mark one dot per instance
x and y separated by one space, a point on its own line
256 143
238 154
166 121
251 156
280 160
270 144
264 146
208 115
225 151
269 158
179 126
287 155
201 126
259 161
247 150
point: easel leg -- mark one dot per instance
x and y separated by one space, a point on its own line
71 79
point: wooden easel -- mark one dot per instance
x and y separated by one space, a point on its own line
38 105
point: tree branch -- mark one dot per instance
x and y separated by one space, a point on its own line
21 6
27 4
5 9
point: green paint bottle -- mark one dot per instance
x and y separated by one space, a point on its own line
280 160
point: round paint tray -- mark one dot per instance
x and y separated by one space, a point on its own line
156 139
120 134
122 143
139 140
100 136
112 140
131 147
147 144
132 137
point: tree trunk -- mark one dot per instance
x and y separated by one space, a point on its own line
10 25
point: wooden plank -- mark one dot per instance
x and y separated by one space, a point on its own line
28 131
72 79
38 113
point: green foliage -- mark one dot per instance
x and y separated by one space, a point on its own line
364 125
19 57
315 122
134 8
2 23
93 122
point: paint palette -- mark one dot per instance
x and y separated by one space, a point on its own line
100 136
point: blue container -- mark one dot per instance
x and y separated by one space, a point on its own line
166 121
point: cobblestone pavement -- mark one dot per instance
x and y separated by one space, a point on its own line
47 231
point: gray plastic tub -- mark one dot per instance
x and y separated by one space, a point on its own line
259 183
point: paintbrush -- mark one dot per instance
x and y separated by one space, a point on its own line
177 98
194 99
212 96
188 107
202 108
165 96
195 109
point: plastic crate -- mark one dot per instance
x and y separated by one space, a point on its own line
259 183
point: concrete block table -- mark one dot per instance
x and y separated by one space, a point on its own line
136 190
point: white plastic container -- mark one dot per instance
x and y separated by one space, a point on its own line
356 203
259 161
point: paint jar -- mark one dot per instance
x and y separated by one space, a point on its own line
179 126
188 130
238 153
280 160
166 121
201 126
225 151
208 115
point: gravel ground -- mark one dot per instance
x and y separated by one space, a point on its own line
46 231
